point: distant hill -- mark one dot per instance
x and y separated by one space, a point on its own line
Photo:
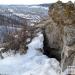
45 5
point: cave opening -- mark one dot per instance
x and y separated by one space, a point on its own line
50 52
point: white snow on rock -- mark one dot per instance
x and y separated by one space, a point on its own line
32 63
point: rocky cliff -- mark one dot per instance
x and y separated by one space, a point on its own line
59 33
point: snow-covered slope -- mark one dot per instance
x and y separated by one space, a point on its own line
32 63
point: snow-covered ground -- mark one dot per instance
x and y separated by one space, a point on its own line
31 63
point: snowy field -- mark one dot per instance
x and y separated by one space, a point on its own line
32 63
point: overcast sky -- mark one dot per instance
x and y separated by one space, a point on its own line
28 2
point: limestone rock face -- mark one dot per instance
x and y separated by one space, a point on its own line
68 54
59 31
54 38
62 12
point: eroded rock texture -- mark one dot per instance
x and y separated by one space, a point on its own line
59 31
62 34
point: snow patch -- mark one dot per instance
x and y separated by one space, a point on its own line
32 63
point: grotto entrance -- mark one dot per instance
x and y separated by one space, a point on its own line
51 52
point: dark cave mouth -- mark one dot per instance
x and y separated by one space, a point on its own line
51 52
